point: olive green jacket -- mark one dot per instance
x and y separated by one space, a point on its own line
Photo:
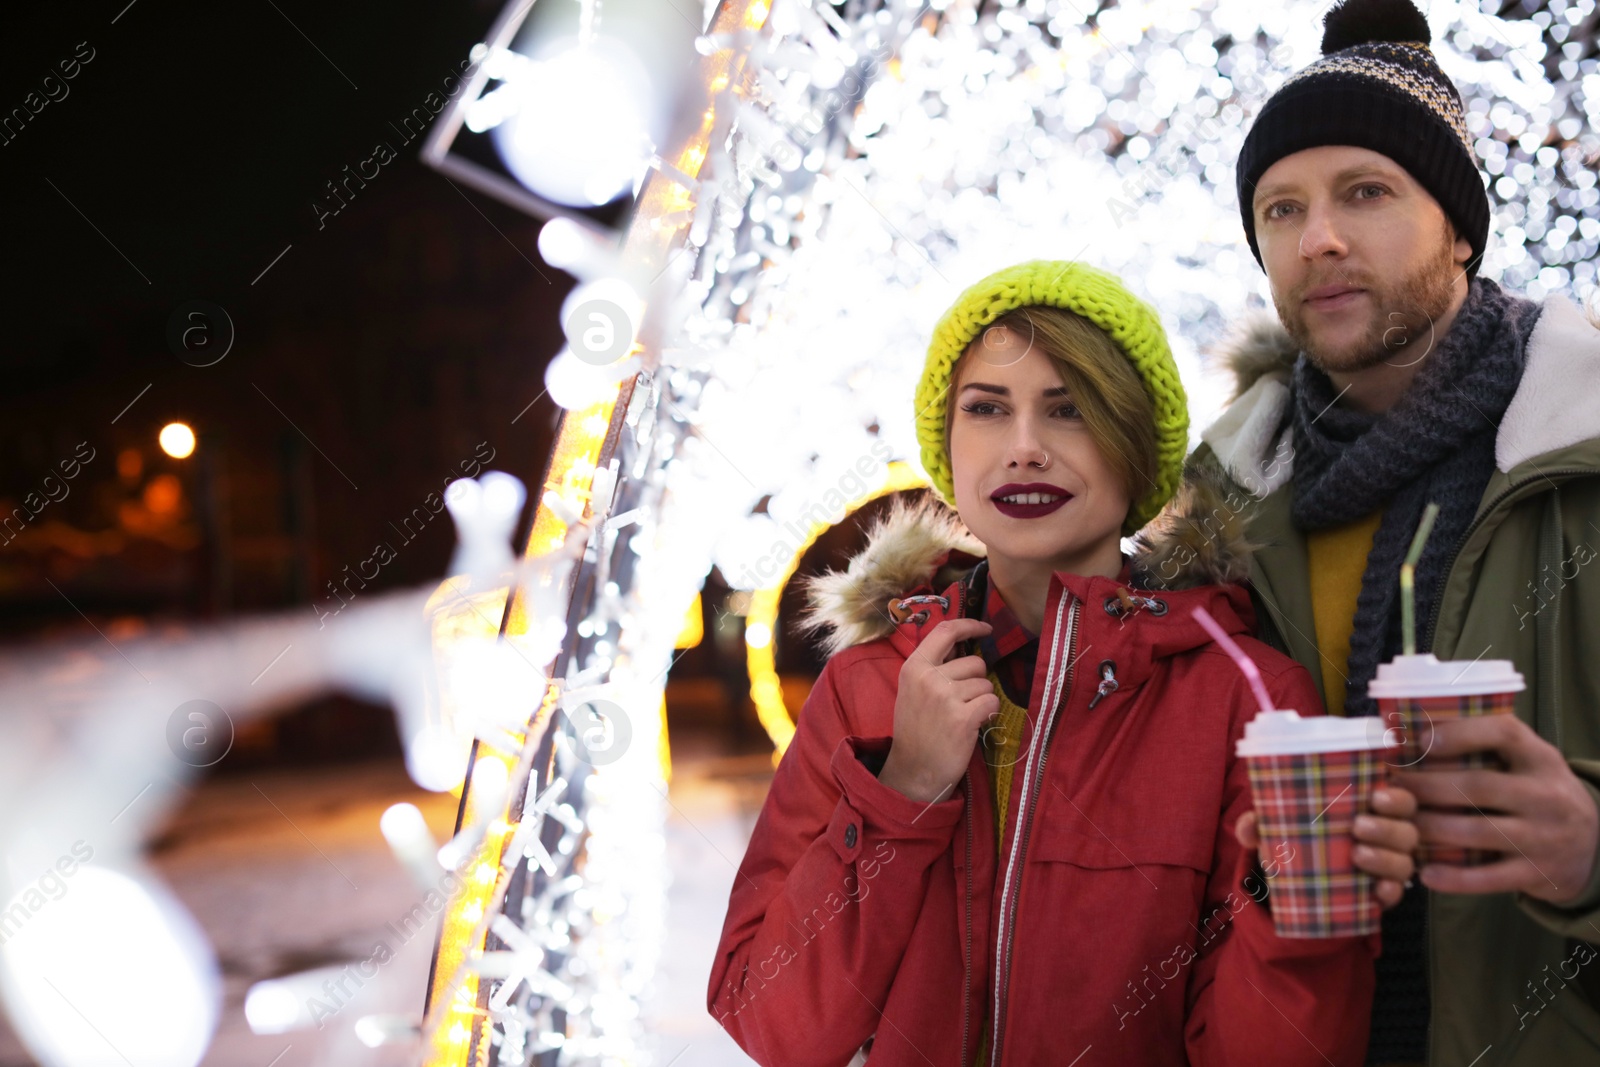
1513 980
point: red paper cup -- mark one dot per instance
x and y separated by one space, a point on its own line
1306 803
1414 693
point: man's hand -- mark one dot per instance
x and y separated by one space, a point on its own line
1537 812
1386 837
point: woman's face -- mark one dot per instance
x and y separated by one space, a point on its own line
1014 432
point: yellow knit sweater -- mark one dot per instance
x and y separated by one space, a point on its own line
1337 558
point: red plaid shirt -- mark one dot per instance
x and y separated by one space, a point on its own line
1009 650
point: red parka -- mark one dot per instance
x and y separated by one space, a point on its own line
1118 924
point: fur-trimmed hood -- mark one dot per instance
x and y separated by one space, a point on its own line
1553 407
920 544
1259 347
1252 436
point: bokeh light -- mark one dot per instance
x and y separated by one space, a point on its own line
177 440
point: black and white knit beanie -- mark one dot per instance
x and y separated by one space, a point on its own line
1377 86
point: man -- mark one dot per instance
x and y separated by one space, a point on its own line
1399 378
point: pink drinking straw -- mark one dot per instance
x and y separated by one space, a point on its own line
1245 663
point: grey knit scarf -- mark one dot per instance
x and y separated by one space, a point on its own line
1435 444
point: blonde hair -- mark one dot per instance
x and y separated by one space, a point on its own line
1105 387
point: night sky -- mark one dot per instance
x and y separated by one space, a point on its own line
381 337
376 348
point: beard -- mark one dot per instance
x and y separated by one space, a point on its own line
1401 329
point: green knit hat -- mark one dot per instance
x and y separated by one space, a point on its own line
1098 297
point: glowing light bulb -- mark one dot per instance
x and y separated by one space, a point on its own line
177 440
271 1007
119 951
437 757
580 132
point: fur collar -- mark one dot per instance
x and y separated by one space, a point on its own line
1552 408
921 544
1251 438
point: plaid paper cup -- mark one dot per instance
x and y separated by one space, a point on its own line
1412 718
1416 692
1306 805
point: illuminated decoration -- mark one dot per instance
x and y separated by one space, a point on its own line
761 619
176 440
564 104
586 151
120 945
533 634
737 377
70 961
694 626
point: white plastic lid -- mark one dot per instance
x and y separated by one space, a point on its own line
1425 676
1285 733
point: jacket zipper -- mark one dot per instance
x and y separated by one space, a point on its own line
966 959
1020 846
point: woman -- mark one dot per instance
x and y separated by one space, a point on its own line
1024 854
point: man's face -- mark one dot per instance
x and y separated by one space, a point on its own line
1361 258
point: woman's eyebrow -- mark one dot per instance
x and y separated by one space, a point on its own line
1000 390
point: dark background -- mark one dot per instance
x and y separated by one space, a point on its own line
389 343
376 355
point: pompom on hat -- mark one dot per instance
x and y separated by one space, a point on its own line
1379 87
1098 297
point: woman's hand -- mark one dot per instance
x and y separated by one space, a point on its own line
1386 837
938 711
